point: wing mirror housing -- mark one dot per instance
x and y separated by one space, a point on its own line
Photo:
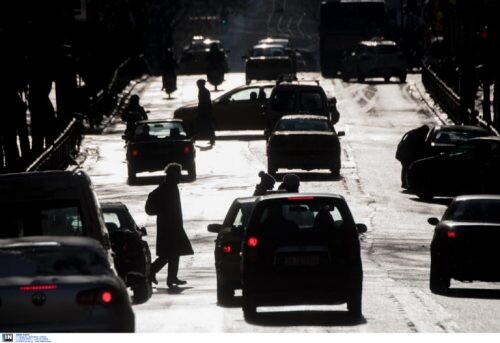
214 228
341 134
143 231
433 221
361 228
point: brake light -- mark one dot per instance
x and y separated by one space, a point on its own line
300 198
186 149
135 152
95 297
227 249
252 242
33 288
452 234
106 297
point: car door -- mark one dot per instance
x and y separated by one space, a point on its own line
240 110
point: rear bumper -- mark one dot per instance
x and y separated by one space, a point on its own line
139 164
305 160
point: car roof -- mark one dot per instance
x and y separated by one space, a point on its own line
43 180
268 46
55 241
298 196
303 117
112 205
298 84
477 197
483 139
460 128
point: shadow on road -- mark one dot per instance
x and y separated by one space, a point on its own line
154 180
310 176
175 290
476 293
306 318
437 200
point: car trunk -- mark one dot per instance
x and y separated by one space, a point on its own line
302 142
157 153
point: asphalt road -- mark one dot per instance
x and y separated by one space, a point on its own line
395 250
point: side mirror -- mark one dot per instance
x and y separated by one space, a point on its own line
215 228
341 134
433 221
361 228
143 231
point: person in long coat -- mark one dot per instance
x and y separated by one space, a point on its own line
171 239
411 148
205 120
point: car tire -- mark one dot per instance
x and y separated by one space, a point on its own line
361 78
354 305
335 173
224 294
402 78
192 172
439 279
249 308
142 292
271 168
132 178
387 78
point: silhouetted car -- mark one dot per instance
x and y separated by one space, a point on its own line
304 142
443 138
194 56
132 254
301 249
374 58
228 247
471 167
297 97
238 109
465 242
268 62
156 143
60 284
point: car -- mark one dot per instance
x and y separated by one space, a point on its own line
60 284
194 56
285 42
133 256
268 62
301 249
237 109
298 97
304 142
374 58
57 203
228 247
465 246
156 143
471 167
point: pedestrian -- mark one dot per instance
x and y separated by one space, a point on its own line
291 183
335 114
266 184
411 148
205 119
171 239
216 65
133 112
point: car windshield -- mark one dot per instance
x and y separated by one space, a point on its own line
268 52
302 125
159 130
41 218
302 213
55 260
454 137
475 210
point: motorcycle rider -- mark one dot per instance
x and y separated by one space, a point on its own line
216 65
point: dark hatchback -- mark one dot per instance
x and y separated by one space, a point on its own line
301 249
156 143
465 242
132 253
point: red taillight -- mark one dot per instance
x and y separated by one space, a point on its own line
186 149
300 198
95 297
135 152
252 242
106 297
33 288
452 234
227 249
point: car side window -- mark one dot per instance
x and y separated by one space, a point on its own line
244 95
238 220
111 217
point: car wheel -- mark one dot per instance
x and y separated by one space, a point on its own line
249 308
335 173
271 168
402 78
142 292
192 172
131 175
439 280
361 78
387 78
354 306
224 294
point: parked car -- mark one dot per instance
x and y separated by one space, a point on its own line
268 62
301 249
194 56
228 247
298 97
471 167
465 242
132 252
55 203
304 142
156 143
374 58
238 109
60 284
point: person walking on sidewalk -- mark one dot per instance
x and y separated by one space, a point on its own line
171 239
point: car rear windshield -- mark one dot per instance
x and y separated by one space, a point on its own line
480 210
302 213
159 130
41 218
303 125
268 52
58 261
455 137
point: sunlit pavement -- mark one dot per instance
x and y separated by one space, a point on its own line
395 250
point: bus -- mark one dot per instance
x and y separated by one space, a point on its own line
343 23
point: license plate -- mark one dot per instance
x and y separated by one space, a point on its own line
296 261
